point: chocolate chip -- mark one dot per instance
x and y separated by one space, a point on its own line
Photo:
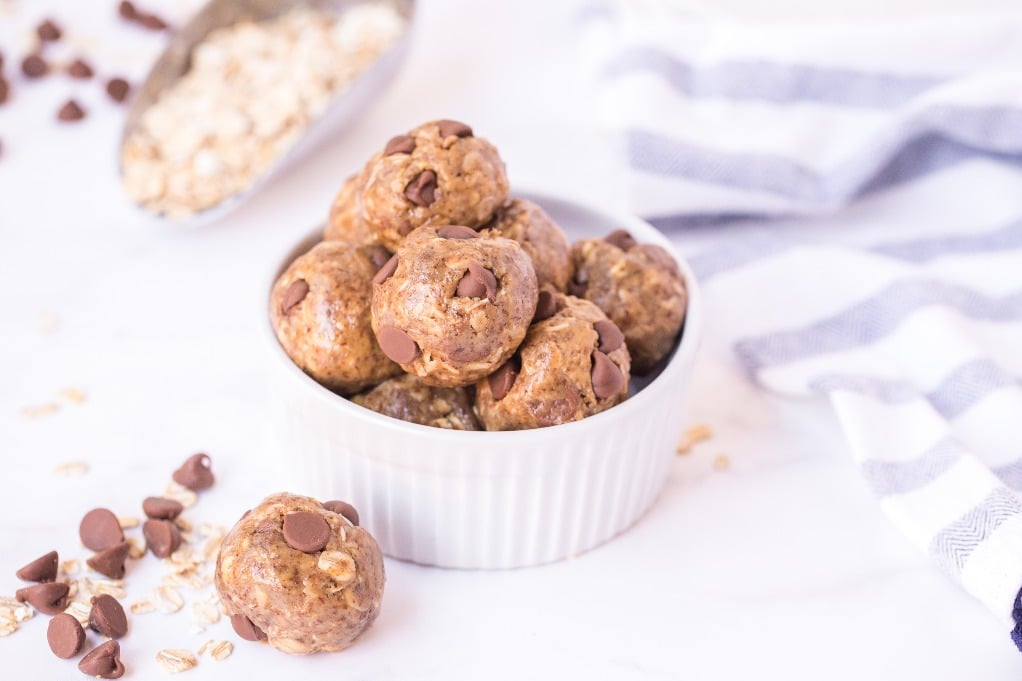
422 190
478 282
342 508
402 144
379 255
49 598
42 569
71 112
118 89
48 31
293 294
100 529
620 238
80 68
196 473
397 345
110 562
503 378
611 337
607 378
161 508
161 536
107 616
65 636
578 284
457 232
103 661
5 90
386 272
150 21
546 306
244 628
455 128
305 531
34 66
127 10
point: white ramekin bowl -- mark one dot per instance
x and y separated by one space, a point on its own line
491 500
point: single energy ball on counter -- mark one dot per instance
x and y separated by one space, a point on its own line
301 575
574 363
409 399
345 222
639 286
451 306
529 225
439 173
320 311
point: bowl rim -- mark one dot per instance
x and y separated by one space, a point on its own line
683 354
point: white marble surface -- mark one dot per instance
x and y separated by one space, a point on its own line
781 566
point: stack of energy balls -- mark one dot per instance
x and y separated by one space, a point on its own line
437 298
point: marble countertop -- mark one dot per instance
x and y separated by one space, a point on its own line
779 564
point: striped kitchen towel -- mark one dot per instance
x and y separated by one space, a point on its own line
854 190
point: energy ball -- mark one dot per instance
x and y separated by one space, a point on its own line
344 223
320 311
409 399
529 225
574 363
452 306
639 286
301 576
439 173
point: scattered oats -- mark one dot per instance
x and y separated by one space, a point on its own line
72 469
721 462
183 524
211 530
72 395
175 660
142 607
70 567
183 559
196 629
191 580
221 651
7 625
14 613
204 647
39 410
206 613
692 436
96 587
136 547
212 548
187 538
80 611
181 494
72 588
128 521
169 599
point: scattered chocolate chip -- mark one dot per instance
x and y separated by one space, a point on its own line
457 232
578 284
305 531
107 616
620 238
110 562
100 529
161 508
455 128
244 628
65 636
49 598
34 66
478 282
342 508
402 144
607 378
70 112
161 536
150 21
293 294
386 272
379 255
611 337
397 345
503 378
48 31
80 68
103 661
5 90
127 10
42 569
196 473
546 306
422 190
118 89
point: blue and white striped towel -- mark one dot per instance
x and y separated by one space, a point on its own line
860 185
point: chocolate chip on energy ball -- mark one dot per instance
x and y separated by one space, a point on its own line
607 378
503 379
422 190
293 295
457 232
578 284
118 89
71 112
478 282
305 531
397 345
244 628
34 66
402 144
49 598
611 337
386 272
342 508
107 616
546 306
161 508
42 569
48 31
196 473
380 256
455 128
110 562
65 636
80 69
100 529
103 661
620 238
161 536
